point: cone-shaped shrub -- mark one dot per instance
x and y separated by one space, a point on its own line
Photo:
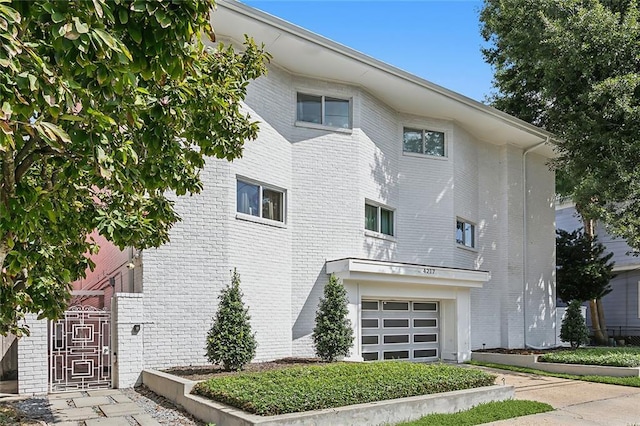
230 341
573 329
332 335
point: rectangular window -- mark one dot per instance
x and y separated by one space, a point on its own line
395 306
369 323
369 340
395 323
425 306
427 142
423 323
465 233
325 110
425 338
396 338
396 355
369 305
370 356
378 219
425 353
255 200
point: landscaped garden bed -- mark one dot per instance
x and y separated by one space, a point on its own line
354 393
304 388
603 361
613 357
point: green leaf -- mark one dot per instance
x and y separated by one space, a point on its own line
81 27
135 33
57 17
124 16
106 38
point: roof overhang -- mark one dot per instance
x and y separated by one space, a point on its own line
305 53
405 273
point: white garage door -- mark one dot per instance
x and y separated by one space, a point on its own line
394 329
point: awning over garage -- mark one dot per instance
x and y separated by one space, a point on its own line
407 273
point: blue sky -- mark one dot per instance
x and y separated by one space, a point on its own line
436 40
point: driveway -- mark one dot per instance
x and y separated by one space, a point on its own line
575 402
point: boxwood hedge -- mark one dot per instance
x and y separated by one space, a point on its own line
614 357
307 388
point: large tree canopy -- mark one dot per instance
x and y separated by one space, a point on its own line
571 66
105 108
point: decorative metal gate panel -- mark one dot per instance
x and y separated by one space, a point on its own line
79 355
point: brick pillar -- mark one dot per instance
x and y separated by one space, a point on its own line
33 358
127 332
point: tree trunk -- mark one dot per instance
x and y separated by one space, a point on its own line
595 323
603 324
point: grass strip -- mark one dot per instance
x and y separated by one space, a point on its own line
613 357
621 381
307 388
484 413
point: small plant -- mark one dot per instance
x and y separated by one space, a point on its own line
332 335
573 329
230 341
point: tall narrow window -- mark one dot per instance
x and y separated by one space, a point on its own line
256 200
378 219
325 110
427 142
465 233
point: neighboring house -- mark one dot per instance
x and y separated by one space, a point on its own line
434 210
622 305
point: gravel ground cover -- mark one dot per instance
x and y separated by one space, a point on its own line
35 411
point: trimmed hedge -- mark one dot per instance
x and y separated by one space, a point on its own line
335 385
613 357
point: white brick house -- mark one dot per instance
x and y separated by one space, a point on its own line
436 211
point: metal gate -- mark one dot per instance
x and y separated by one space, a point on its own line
79 355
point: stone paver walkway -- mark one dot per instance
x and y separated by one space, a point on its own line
109 407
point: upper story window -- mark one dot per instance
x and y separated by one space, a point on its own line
378 219
324 110
257 200
465 233
426 142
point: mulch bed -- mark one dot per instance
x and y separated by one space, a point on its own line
198 373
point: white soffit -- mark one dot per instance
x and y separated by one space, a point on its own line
393 272
304 53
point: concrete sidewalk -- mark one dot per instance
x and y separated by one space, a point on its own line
108 407
576 402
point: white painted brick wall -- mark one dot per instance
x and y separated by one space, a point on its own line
33 374
126 313
327 176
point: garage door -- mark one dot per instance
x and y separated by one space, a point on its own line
398 329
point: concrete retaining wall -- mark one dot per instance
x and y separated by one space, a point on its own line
531 361
383 412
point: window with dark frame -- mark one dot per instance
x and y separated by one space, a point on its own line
422 141
379 219
465 233
260 201
324 110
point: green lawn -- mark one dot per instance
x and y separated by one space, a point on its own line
307 388
615 357
622 381
483 413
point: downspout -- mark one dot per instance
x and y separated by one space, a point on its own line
525 236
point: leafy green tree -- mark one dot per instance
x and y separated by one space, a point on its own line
230 341
583 272
106 107
332 334
573 329
570 66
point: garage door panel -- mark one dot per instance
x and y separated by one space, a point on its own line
400 330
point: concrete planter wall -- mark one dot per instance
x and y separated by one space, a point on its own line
383 412
531 361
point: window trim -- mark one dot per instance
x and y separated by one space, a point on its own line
445 136
474 236
260 218
322 125
377 232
